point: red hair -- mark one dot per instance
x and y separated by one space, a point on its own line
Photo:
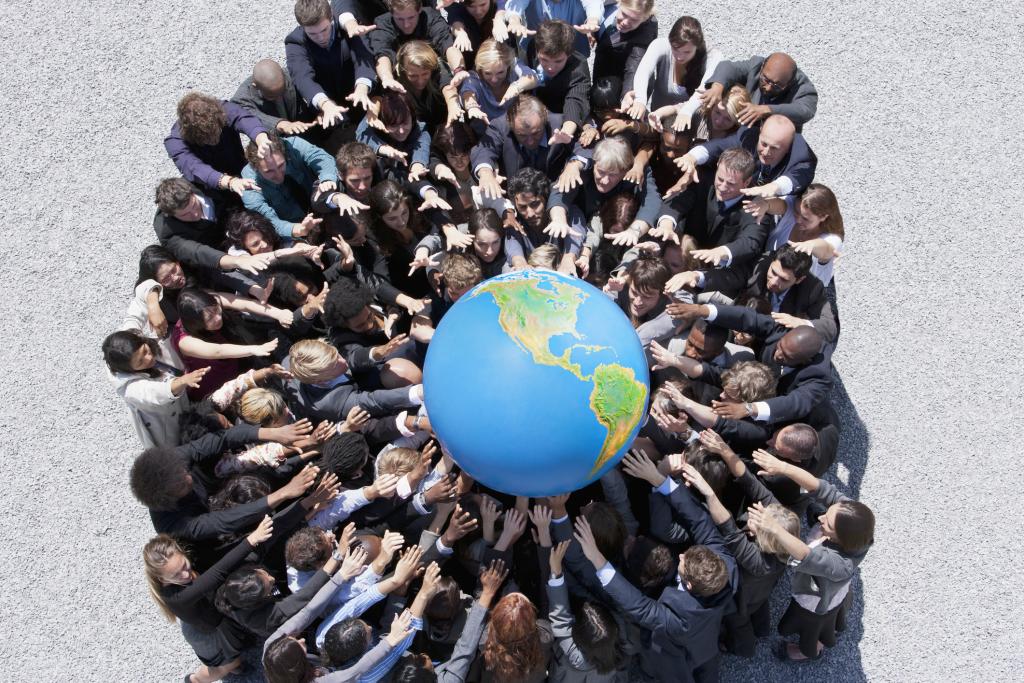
513 649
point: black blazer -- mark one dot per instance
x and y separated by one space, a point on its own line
292 106
568 93
619 54
798 164
499 149
334 403
196 245
332 70
798 102
385 40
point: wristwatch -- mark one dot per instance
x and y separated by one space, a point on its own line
336 556
749 408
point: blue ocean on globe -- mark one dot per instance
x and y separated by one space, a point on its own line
536 383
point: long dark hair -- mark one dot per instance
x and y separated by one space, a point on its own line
385 197
150 260
119 347
688 30
191 303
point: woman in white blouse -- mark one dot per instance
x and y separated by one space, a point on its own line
811 222
673 72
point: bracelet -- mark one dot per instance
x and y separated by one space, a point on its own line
336 557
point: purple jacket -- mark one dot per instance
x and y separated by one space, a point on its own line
206 164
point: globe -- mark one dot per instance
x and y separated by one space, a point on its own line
535 382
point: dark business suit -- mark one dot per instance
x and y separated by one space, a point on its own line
568 92
798 164
331 70
334 403
619 54
271 112
363 10
431 28
806 299
500 150
800 389
798 102
196 244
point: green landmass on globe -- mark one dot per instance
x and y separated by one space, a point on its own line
532 317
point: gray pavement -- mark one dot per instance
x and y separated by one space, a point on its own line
918 132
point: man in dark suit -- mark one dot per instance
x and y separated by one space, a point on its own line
270 94
800 355
785 162
622 41
327 65
775 84
520 140
563 75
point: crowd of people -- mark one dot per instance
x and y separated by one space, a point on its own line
271 354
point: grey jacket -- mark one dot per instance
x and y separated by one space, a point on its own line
798 103
569 665
290 107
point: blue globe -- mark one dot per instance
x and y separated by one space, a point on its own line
535 383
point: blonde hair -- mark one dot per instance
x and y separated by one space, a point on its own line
821 201
544 256
644 6
155 556
398 461
261 406
735 100
417 53
310 359
749 381
769 542
493 54
614 152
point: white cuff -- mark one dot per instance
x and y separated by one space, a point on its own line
556 581
762 412
364 81
712 313
606 573
400 423
724 263
783 186
344 19
699 154
561 520
701 281
442 548
667 487
476 171
319 99
414 398
404 488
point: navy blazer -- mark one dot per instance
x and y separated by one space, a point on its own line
798 164
332 70
500 150
334 403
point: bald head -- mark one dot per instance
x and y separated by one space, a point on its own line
796 442
798 346
777 72
268 76
775 139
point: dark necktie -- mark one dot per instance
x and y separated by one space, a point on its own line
721 208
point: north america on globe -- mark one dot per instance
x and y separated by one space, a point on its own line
552 383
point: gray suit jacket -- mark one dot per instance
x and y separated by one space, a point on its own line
292 107
799 102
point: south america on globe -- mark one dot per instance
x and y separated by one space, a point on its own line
535 382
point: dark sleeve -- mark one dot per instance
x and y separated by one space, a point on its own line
300 67
243 121
756 491
363 59
487 150
647 31
644 611
804 104
747 553
340 7
663 526
819 311
728 280
285 522
800 400
215 443
716 147
289 606
383 38
192 167
243 97
210 580
730 73
745 320
650 200
741 434
698 522
438 31
801 166
189 252
577 99
379 402
749 243
211 524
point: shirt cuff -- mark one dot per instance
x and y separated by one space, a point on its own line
606 573
344 18
442 548
583 160
725 263
561 520
712 313
556 581
670 220
319 99
404 488
783 186
414 398
667 487
479 167
400 423
364 81
762 411
701 280
428 186
700 154
420 503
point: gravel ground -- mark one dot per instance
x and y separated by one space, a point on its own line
90 90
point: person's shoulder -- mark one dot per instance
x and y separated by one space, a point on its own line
296 37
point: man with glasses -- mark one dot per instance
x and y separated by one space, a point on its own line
776 86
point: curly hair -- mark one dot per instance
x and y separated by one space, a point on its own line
307 549
201 119
345 299
173 194
750 381
513 648
241 223
157 478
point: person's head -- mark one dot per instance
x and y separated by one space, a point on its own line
609 529
796 442
346 642
748 382
273 165
710 466
513 648
398 461
817 211
396 114
199 312
798 346
246 588
269 79
455 142
285 661
723 118
251 231
529 190
165 564
308 549
201 119
775 140
543 256
240 489
758 303
416 63
613 157
159 478
478 9
354 228
777 72
494 62
528 119
649 564
554 40
618 212
446 602
461 272
485 227
263 407
674 144
314 361
850 524
406 14
129 351
788 267
390 204
735 168
705 342
605 99
355 161
348 306
346 455
596 634
769 542
156 263
316 19
647 276
632 13
702 571
686 38
177 197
